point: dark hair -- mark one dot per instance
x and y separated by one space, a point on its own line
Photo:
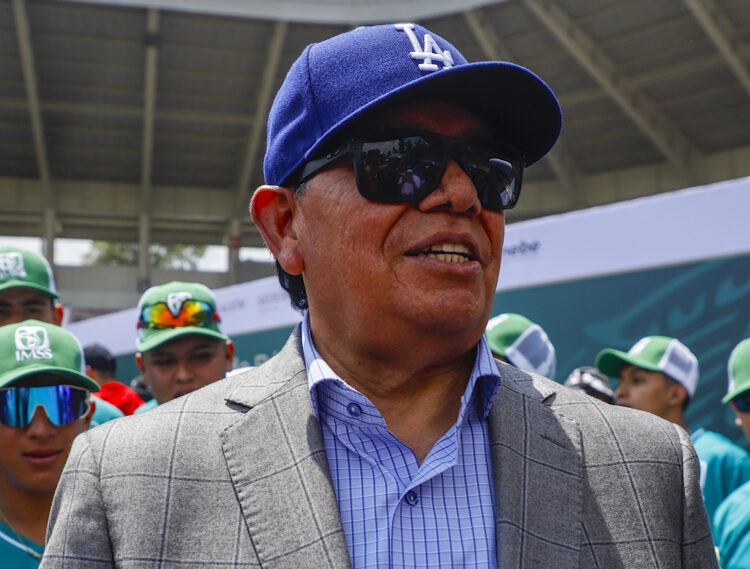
294 285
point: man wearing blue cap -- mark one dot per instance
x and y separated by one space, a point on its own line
384 434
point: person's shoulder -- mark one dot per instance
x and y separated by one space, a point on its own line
710 443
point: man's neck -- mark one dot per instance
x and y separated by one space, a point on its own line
418 394
25 513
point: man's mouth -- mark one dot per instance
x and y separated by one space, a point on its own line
447 252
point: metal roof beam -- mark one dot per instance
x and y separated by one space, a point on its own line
151 41
255 138
721 31
654 123
32 97
494 48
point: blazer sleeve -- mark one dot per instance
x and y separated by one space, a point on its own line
77 532
698 550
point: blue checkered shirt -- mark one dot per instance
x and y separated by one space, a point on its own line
396 512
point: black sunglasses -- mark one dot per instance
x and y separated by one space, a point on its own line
742 402
407 166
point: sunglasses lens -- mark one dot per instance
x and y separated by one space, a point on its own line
398 170
62 403
496 178
742 402
192 313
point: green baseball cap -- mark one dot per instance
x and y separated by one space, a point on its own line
738 370
175 309
522 342
654 353
22 268
32 347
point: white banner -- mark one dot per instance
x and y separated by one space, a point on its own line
665 229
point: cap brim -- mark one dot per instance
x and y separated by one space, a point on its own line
734 393
610 362
15 283
514 103
70 377
166 335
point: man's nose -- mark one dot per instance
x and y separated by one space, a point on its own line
40 427
455 193
184 372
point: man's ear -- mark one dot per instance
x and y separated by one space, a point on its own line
57 313
230 355
273 209
139 363
677 394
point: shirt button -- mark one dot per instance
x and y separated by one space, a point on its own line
411 498
354 410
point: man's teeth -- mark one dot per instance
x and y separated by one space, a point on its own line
448 252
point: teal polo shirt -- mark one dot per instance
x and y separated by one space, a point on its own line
147 406
17 552
725 467
104 412
732 529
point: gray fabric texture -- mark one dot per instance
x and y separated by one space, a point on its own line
235 475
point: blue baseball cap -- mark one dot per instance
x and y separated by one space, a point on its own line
339 80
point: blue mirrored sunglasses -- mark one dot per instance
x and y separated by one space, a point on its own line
62 403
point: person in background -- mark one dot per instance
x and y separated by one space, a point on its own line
731 523
180 346
592 382
28 290
659 374
516 340
44 404
101 367
137 385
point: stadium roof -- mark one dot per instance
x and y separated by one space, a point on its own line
125 121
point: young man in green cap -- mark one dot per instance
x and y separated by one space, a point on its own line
660 375
731 523
516 340
180 346
28 290
45 402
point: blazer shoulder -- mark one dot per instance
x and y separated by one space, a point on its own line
612 432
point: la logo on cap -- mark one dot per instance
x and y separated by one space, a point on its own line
431 51
11 266
32 342
175 300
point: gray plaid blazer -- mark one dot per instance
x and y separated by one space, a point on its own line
235 475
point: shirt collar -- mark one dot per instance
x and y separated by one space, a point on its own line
485 378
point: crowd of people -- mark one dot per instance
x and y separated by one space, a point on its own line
399 426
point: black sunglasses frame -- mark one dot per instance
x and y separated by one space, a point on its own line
444 148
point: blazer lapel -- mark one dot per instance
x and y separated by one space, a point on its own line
537 471
277 464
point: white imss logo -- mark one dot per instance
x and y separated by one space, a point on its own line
431 51
32 343
11 266
175 301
